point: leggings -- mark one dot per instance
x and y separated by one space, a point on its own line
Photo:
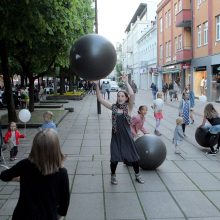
135 165
157 123
183 127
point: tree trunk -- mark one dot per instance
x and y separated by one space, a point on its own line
31 92
62 83
7 82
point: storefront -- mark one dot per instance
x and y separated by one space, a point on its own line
200 83
216 82
171 74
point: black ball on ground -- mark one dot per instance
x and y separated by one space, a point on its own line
92 57
152 151
203 138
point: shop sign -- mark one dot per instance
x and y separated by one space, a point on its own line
186 66
200 68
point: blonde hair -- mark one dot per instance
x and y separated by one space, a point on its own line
210 111
159 95
179 120
46 153
48 114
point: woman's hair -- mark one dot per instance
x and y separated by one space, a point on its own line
10 123
179 120
141 108
159 95
125 93
46 153
210 111
49 113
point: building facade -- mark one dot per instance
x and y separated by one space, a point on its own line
189 44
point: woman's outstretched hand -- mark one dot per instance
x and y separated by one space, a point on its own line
124 78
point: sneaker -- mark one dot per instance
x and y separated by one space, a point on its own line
12 159
217 149
113 179
177 151
156 132
211 152
139 179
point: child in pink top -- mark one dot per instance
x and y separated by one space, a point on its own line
137 122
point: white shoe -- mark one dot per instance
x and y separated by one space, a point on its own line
139 179
113 179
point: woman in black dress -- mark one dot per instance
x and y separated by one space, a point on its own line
44 183
123 148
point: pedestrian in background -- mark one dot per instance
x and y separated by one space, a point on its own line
192 101
48 121
158 112
134 86
170 89
103 89
154 90
12 137
44 184
165 90
123 148
108 89
178 134
211 115
184 111
137 122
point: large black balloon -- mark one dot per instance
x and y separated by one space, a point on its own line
203 139
92 57
152 151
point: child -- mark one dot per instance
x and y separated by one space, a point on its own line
184 111
212 116
137 122
48 122
123 148
178 134
158 115
12 138
44 183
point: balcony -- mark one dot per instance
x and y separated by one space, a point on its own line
184 54
184 18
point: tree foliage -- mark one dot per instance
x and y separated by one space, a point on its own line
40 33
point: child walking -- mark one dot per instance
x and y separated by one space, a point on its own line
123 148
178 134
158 111
184 111
211 115
137 122
48 121
12 137
44 184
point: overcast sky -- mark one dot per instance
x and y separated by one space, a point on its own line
115 15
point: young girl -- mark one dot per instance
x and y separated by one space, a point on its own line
48 121
123 148
192 101
158 114
184 110
44 183
137 122
212 116
12 138
178 134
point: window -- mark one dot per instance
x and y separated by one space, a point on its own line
161 51
180 5
205 28
199 36
169 18
175 8
180 45
161 25
176 44
218 28
167 49
166 19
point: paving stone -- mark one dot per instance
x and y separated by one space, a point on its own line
195 204
86 206
190 166
89 167
123 206
159 205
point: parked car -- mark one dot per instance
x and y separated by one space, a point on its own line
114 86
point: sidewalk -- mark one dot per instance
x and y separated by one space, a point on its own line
185 186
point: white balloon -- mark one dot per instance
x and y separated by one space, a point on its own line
24 115
202 98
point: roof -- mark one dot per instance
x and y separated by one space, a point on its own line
139 12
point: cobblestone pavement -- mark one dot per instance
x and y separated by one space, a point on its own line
185 186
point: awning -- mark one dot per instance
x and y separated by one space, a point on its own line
171 71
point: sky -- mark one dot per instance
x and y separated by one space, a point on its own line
115 15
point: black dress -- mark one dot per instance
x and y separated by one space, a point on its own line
41 197
123 147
